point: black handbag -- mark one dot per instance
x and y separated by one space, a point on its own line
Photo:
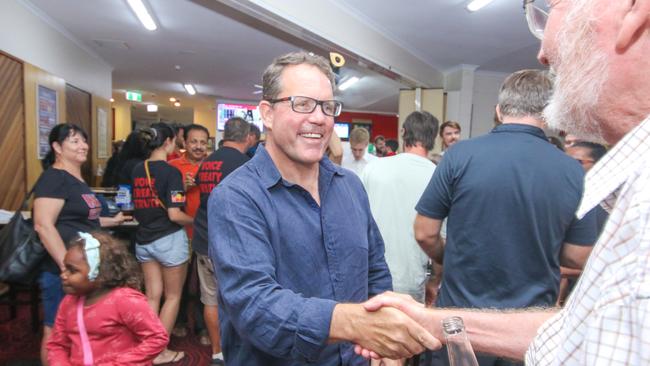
21 250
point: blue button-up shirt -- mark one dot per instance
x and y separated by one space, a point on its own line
283 262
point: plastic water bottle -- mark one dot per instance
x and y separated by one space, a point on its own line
123 198
458 347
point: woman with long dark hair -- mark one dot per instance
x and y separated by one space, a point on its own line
63 206
161 247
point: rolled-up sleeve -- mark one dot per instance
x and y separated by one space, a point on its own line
274 319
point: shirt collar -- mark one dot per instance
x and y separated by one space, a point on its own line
612 170
520 127
270 175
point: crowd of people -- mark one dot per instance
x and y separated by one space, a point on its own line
304 261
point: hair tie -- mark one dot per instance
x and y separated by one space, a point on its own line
92 254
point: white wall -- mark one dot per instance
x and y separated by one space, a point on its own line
486 93
26 34
325 20
459 85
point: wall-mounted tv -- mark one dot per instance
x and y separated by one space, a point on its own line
342 129
246 111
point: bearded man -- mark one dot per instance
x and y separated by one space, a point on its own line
598 50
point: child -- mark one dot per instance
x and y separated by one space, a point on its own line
102 282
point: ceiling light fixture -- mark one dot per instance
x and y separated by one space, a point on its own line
152 108
143 14
177 104
258 88
172 99
112 100
477 4
348 83
190 89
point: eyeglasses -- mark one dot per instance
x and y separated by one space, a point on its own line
308 105
536 17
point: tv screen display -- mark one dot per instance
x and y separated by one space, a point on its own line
246 111
342 129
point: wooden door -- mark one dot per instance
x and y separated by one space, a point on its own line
77 105
13 173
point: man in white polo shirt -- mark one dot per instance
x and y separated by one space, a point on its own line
357 161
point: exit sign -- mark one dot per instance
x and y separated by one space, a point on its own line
133 96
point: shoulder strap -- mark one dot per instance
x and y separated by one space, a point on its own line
85 343
25 204
155 193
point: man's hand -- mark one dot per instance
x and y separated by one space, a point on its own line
404 303
387 331
431 291
189 180
386 362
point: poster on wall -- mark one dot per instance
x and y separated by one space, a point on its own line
46 115
102 133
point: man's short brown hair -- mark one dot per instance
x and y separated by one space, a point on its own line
271 81
359 135
452 124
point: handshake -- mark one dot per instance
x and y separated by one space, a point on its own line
389 325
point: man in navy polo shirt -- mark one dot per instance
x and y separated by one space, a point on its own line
510 199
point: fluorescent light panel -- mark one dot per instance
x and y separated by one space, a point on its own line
477 4
348 83
152 108
190 89
143 14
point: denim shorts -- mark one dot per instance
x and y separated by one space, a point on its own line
171 250
51 295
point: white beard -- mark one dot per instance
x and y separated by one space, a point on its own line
580 69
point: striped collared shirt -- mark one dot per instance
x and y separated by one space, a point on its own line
606 321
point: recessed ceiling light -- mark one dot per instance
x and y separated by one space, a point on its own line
348 83
172 99
112 100
190 89
143 14
177 104
152 108
477 4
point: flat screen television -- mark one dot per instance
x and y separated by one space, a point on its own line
248 112
342 129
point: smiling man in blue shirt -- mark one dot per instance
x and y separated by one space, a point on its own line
293 242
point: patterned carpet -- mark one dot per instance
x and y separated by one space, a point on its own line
19 346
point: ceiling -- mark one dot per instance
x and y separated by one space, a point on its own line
223 51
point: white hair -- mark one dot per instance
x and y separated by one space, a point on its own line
580 71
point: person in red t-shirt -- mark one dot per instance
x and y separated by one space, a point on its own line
196 144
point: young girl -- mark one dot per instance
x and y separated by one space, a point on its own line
104 319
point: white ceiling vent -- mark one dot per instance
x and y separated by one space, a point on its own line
112 44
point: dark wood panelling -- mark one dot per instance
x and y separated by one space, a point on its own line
12 138
77 105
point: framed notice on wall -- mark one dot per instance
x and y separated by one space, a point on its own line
47 116
102 133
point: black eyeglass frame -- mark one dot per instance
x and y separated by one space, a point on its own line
292 98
